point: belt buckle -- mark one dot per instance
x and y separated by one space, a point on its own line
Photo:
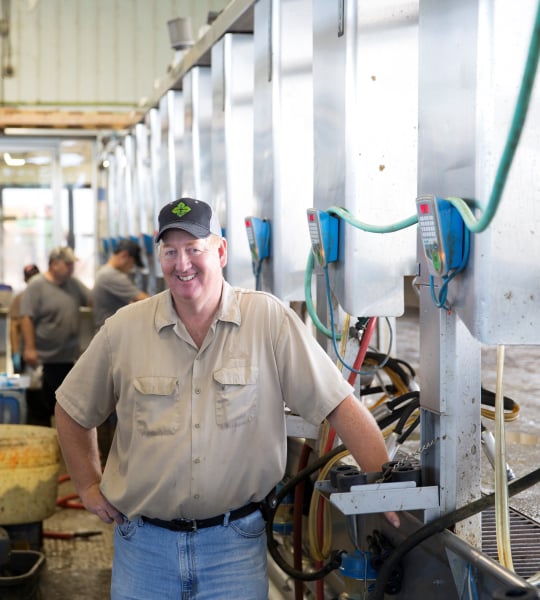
188 525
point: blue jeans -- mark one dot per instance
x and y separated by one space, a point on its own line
226 562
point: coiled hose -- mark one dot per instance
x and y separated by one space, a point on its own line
335 558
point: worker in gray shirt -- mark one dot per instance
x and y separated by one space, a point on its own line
50 326
113 287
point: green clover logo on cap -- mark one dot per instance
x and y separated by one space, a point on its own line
181 209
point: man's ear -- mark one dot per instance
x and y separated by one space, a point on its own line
222 252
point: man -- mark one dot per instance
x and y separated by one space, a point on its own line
50 322
199 375
15 336
113 287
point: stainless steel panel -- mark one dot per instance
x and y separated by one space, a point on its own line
283 160
144 203
129 204
232 148
144 179
171 111
365 142
156 201
450 428
197 172
118 170
472 56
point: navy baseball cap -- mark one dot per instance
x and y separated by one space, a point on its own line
194 216
29 271
133 249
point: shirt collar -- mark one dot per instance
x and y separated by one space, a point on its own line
229 308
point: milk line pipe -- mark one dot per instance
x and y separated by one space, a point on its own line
442 523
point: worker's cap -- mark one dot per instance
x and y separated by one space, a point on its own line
194 216
133 249
29 271
64 253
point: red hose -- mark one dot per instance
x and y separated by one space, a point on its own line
70 501
297 522
362 350
361 355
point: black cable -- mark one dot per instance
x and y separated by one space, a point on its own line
391 363
406 414
395 402
404 436
396 414
442 523
488 398
409 368
270 511
389 389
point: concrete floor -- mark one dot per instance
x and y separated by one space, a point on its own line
79 569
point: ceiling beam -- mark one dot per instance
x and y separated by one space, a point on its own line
66 119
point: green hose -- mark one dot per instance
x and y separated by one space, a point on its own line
309 301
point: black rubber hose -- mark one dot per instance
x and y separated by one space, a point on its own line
395 402
405 415
442 523
488 399
405 435
396 413
392 364
335 558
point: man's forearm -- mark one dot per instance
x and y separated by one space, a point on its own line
360 433
80 449
27 331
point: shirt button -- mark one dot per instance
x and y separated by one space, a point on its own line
197 461
197 426
197 391
196 497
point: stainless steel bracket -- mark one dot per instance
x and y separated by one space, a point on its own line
381 497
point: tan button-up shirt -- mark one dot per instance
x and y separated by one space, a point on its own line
200 431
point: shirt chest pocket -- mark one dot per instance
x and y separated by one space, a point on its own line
157 410
236 398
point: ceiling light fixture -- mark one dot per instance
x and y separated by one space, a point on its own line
13 162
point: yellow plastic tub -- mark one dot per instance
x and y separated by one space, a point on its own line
29 464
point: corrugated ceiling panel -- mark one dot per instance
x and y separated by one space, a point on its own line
102 52
69 55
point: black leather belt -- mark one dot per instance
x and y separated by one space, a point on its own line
194 524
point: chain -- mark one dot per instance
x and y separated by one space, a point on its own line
407 458
418 452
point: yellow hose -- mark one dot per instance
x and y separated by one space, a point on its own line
320 548
502 519
511 415
318 551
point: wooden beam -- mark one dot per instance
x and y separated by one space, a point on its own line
11 117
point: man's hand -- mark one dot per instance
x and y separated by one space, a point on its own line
96 503
392 518
30 356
